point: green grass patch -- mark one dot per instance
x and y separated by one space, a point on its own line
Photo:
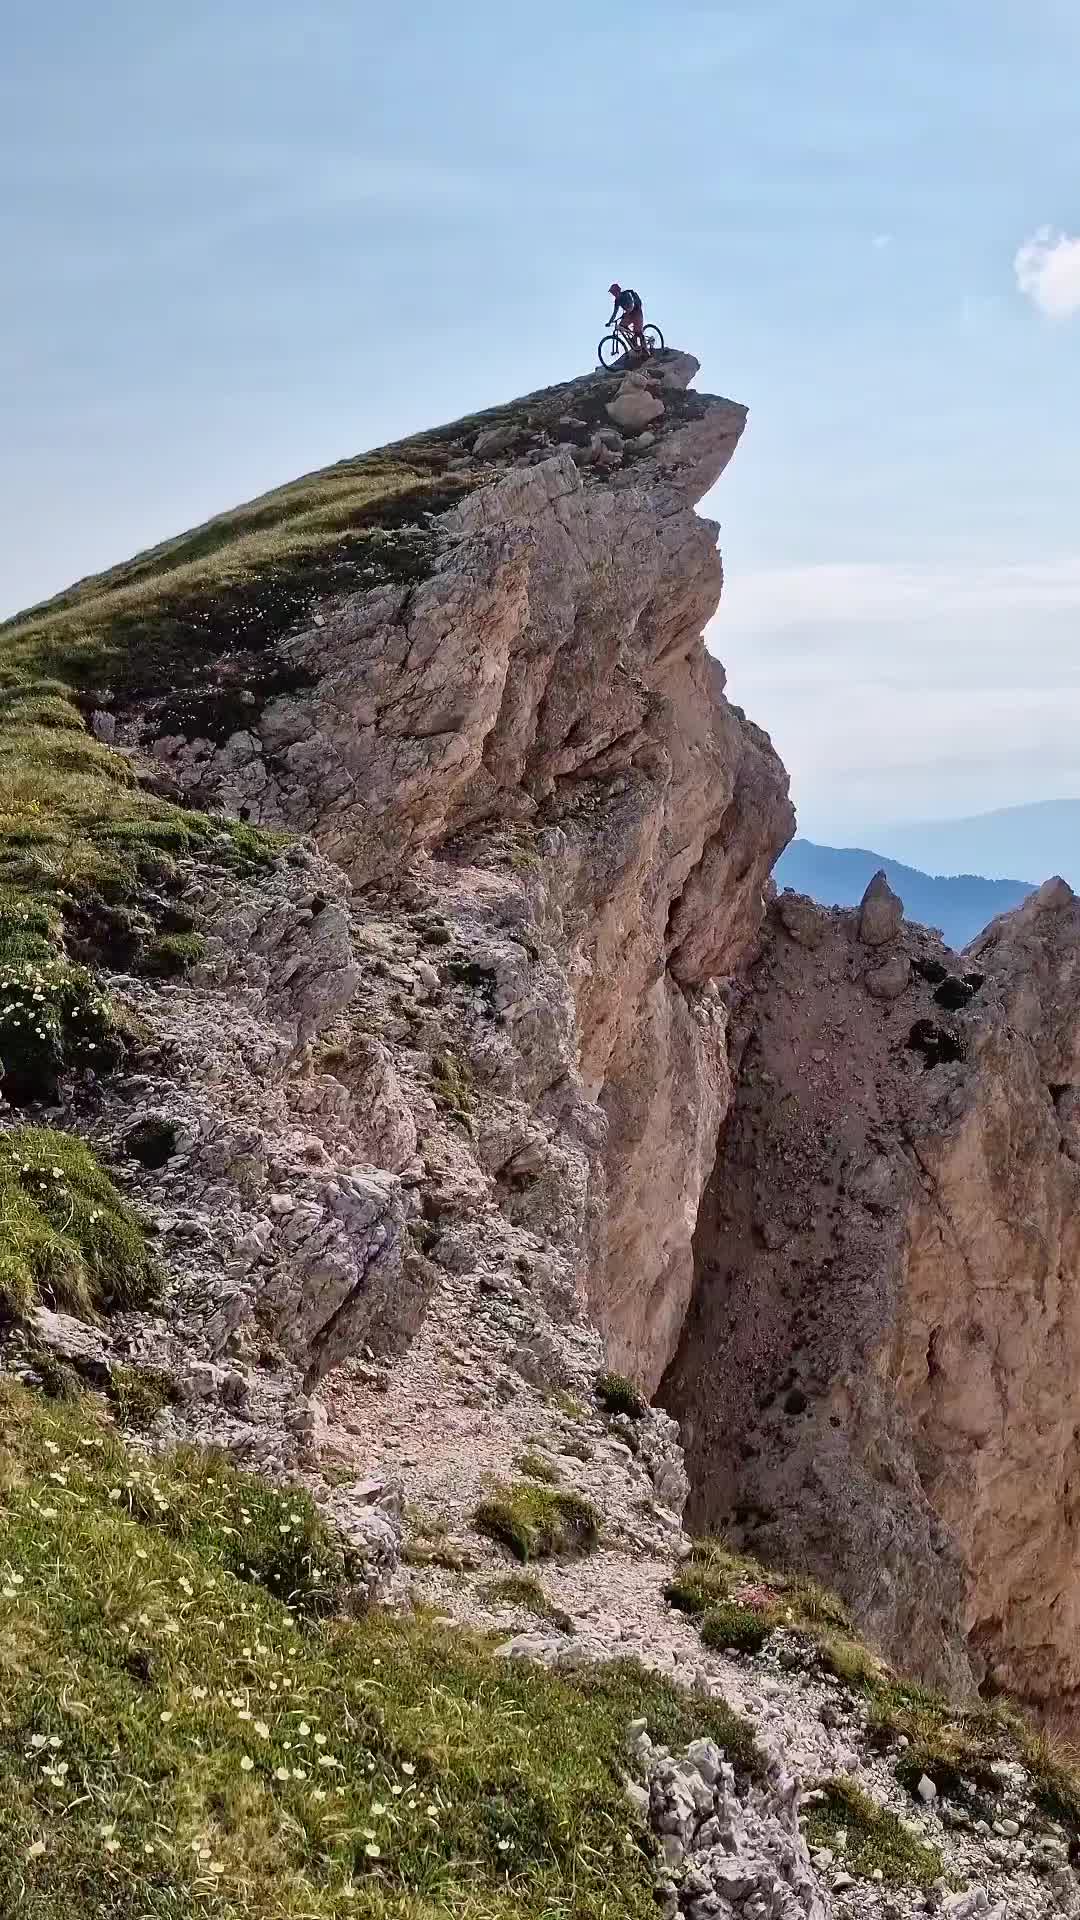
171 954
138 1394
53 1021
617 1394
81 843
852 1662
1055 1769
876 1839
739 1603
452 1084
565 1403
536 1466
729 1625
176 1743
734 1595
524 1591
68 1238
536 1522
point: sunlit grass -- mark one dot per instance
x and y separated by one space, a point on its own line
190 1727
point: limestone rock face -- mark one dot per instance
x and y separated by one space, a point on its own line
542 704
878 1376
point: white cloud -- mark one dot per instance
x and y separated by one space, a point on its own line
1047 269
881 240
897 691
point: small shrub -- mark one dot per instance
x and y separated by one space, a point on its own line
171 954
1056 1776
565 1403
57 1378
536 1522
53 1020
70 1239
708 1577
715 1580
152 1141
850 1661
451 1084
814 1606
138 1395
876 1839
522 856
729 1625
522 1590
694 1595
617 1394
537 1468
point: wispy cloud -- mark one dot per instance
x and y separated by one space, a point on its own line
893 689
1047 269
846 592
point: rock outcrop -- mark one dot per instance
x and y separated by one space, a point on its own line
533 740
877 1380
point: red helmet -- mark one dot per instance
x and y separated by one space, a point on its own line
614 287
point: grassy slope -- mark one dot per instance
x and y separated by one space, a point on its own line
187 1728
246 576
76 827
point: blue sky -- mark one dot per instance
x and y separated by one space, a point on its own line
241 240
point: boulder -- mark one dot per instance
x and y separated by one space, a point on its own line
494 440
891 979
634 407
880 913
71 1340
801 919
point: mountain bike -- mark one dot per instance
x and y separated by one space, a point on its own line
616 345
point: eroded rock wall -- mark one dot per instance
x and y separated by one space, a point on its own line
878 1376
542 705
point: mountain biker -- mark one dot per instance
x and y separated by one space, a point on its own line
630 313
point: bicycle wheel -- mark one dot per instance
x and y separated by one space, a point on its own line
654 339
611 349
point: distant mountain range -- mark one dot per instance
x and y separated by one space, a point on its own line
960 904
1039 840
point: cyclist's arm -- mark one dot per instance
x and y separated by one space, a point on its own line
614 312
